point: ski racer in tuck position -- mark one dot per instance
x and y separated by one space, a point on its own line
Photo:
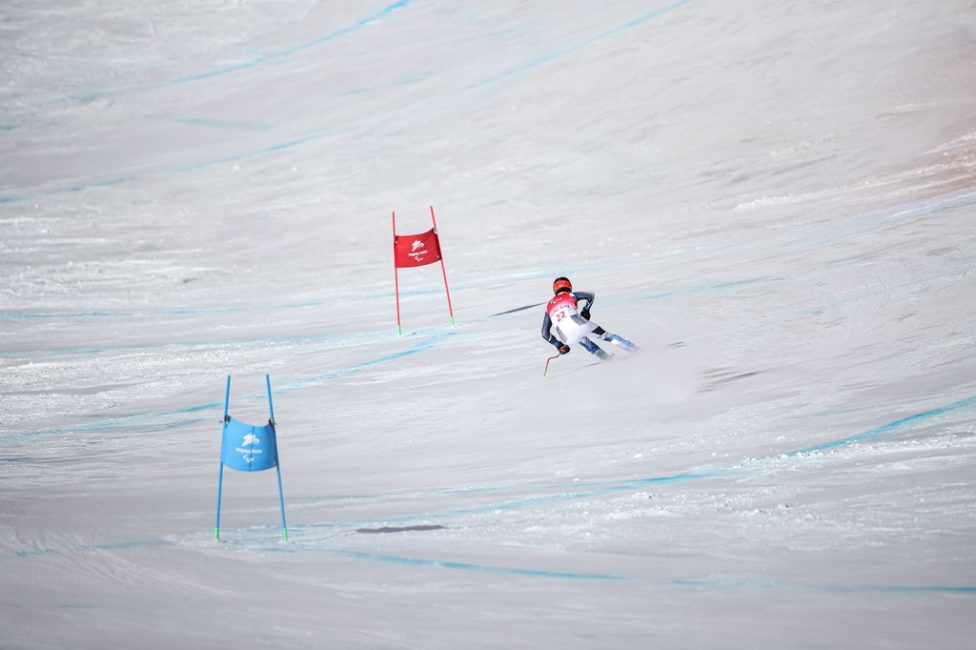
565 324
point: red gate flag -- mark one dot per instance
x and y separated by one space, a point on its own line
416 250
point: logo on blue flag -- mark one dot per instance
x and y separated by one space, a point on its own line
248 448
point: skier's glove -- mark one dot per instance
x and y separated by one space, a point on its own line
563 349
585 313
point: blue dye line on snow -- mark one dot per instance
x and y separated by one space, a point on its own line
223 71
452 565
899 589
594 489
161 313
372 336
509 73
867 223
658 480
204 311
164 313
365 22
143 422
225 124
360 90
235 67
270 58
468 566
88 548
72 189
446 564
603 488
28 315
184 345
695 583
341 372
569 49
131 421
620 486
699 289
885 428
321 134
281 146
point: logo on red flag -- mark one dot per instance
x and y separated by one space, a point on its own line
417 250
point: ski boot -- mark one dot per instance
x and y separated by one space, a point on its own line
593 348
621 342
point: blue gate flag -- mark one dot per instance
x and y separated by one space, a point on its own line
248 448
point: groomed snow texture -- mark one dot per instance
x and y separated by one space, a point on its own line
775 199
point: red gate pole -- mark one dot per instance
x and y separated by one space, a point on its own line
450 308
396 278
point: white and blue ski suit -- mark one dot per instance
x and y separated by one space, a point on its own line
563 315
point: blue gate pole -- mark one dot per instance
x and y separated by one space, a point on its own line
281 498
267 380
220 474
220 483
281 494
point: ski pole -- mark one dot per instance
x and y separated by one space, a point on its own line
555 356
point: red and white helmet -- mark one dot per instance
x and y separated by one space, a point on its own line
561 284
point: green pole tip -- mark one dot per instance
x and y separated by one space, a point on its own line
217 534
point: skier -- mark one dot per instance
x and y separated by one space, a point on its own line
572 326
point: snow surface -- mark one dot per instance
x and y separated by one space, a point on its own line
774 199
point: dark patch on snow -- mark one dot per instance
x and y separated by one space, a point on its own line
715 377
399 529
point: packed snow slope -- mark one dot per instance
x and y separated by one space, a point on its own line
775 200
